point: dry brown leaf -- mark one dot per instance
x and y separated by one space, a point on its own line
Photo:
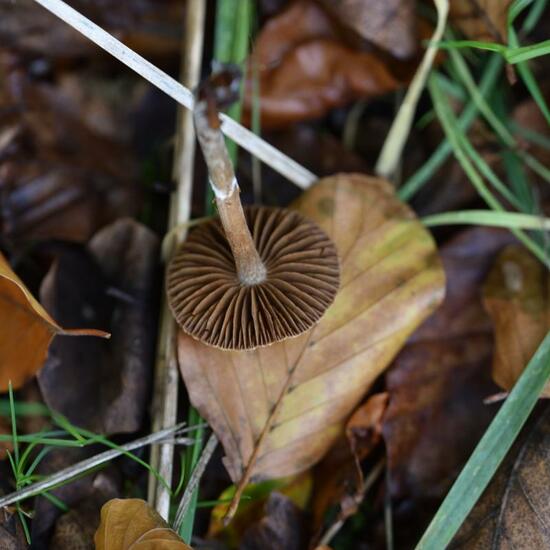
484 20
296 488
12 536
516 296
389 24
282 527
27 330
305 69
514 510
109 284
438 382
528 116
131 524
278 409
5 446
150 26
53 186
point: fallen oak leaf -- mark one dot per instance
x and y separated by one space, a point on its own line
483 20
27 330
278 409
131 524
516 296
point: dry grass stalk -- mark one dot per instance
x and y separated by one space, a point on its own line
245 138
392 150
166 371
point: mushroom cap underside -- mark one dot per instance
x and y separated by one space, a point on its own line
212 305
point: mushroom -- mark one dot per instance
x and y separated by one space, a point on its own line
251 276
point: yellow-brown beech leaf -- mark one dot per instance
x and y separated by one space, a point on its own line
278 409
514 510
26 330
131 524
484 20
516 296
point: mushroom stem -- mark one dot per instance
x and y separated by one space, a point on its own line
250 268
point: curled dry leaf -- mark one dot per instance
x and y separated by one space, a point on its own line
277 410
513 512
27 330
483 20
516 296
131 524
389 24
304 70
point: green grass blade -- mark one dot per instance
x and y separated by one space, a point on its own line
532 18
56 501
23 409
231 39
191 459
531 135
489 218
457 139
13 428
469 114
529 79
64 424
96 438
24 523
489 452
525 53
516 8
55 442
513 55
479 98
461 44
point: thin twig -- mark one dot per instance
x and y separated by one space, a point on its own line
165 400
401 126
245 138
75 470
206 455
388 515
338 524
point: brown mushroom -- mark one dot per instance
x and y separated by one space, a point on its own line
250 277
